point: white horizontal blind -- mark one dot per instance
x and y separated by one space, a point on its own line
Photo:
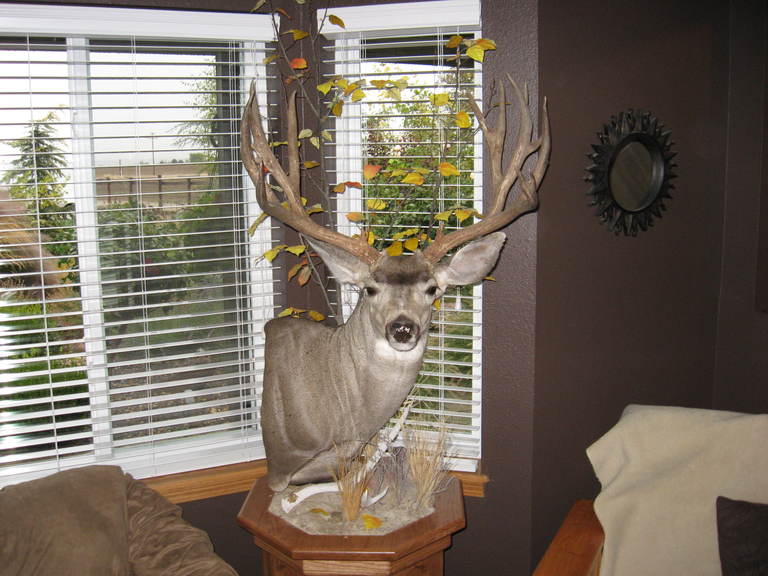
398 53
132 305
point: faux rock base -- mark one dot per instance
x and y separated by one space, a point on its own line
321 514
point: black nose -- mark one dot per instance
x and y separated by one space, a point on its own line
403 330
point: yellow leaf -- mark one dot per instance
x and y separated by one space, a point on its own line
338 108
304 201
463 213
304 275
439 99
272 253
315 209
269 59
311 164
454 41
291 311
463 120
319 510
443 216
437 304
375 204
485 43
305 133
298 64
447 169
341 82
405 233
401 83
476 53
278 143
333 19
370 522
397 172
351 88
370 171
258 5
297 34
315 141
358 95
252 228
355 217
413 178
340 188
316 316
379 83
371 238
292 272
326 136
421 170
325 87
298 249
395 249
491 278
411 244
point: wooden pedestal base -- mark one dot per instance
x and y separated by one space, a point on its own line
416 549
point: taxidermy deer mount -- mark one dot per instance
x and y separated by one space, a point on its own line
328 391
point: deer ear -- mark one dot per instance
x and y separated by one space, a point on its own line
346 268
472 263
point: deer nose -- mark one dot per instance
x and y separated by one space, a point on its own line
403 330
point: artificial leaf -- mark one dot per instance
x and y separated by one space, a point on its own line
316 316
485 43
463 120
370 522
354 185
349 88
315 209
297 34
355 217
258 5
375 204
305 133
395 249
338 108
463 213
311 164
413 178
397 172
278 143
284 13
443 216
298 64
333 19
440 99
298 249
490 278
341 82
320 511
476 53
405 233
291 311
296 267
286 312
393 93
447 169
304 275
325 87
421 170
269 59
272 253
370 171
454 41
437 304
411 244
379 83
304 201
358 95
340 188
371 238
401 83
256 223
326 136
315 141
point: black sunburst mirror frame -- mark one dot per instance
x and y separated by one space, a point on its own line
624 132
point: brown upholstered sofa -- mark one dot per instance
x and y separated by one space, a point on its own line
99 521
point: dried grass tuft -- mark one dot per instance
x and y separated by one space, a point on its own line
426 463
353 476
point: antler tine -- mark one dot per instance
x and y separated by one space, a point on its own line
253 141
499 214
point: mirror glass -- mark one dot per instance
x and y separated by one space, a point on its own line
631 177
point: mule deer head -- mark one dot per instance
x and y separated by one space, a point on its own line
331 389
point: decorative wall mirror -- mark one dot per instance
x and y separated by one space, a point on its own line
631 172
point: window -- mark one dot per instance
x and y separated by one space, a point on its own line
407 123
132 302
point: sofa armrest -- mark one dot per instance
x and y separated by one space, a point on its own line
577 547
162 543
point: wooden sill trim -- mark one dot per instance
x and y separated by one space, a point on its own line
236 478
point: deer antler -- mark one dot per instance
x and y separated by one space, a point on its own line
291 211
498 216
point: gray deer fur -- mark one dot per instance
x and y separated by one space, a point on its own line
328 391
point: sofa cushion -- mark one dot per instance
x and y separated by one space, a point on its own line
72 523
742 532
661 470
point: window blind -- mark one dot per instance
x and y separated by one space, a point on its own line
406 124
132 299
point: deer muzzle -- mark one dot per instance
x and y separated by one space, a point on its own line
402 333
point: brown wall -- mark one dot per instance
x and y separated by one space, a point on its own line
584 322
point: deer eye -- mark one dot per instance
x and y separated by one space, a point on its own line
371 291
432 290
